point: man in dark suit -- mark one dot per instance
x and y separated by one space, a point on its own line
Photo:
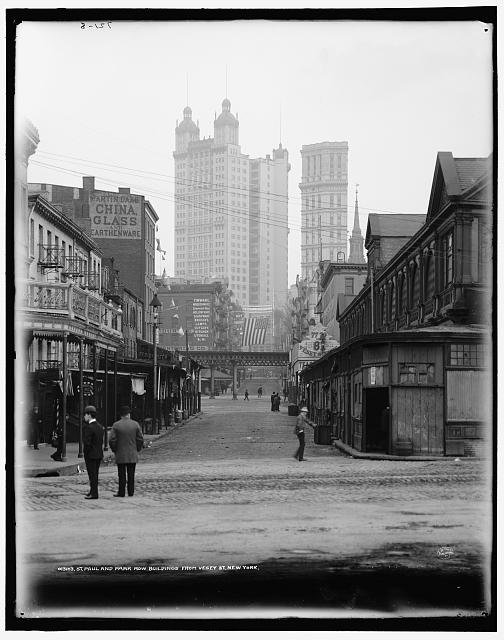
126 440
92 437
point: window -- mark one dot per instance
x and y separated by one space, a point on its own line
447 248
417 373
40 239
32 237
468 355
349 286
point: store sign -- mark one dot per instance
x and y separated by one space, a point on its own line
317 343
115 215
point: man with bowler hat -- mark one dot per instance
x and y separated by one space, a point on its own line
126 440
92 438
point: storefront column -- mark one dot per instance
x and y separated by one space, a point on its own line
105 441
212 382
235 397
64 407
81 395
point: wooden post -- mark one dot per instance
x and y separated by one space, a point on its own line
81 396
115 386
105 440
64 408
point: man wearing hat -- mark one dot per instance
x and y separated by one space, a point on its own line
301 424
126 440
92 437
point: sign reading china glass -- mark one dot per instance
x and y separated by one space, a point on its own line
115 215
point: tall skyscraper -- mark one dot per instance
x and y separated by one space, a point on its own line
324 187
212 203
356 255
231 212
268 241
324 192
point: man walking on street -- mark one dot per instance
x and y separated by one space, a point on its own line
92 438
299 430
126 440
246 395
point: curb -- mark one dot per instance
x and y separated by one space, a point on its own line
72 468
385 456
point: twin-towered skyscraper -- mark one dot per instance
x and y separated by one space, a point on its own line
231 212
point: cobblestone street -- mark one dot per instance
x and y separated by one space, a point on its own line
224 491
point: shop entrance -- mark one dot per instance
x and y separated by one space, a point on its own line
377 420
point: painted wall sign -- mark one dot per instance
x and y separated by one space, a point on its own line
115 215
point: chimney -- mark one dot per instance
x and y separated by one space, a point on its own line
88 183
124 189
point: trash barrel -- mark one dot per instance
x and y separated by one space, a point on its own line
148 426
178 415
292 410
322 434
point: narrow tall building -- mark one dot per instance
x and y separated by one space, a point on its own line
324 193
268 240
212 203
356 255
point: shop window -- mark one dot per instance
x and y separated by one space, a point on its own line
416 373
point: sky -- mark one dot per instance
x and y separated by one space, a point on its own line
106 100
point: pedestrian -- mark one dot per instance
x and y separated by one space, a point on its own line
285 394
92 438
276 403
272 398
246 395
259 392
126 440
299 430
35 427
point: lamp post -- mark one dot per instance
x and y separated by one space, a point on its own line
155 304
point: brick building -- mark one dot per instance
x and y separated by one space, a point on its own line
123 225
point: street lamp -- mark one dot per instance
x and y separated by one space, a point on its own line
155 304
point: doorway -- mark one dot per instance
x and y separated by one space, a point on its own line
377 420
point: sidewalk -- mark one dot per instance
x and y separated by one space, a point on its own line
33 462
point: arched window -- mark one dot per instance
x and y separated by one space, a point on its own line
428 276
391 301
414 286
447 258
383 306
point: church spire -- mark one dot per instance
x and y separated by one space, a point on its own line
356 225
356 240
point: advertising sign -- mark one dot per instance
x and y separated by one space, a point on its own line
201 323
115 215
313 347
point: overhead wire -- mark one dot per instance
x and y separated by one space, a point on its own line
216 209
213 185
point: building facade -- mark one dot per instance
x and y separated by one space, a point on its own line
188 316
68 325
324 194
212 203
123 225
413 373
340 283
268 233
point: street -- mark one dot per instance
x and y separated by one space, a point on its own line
224 516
